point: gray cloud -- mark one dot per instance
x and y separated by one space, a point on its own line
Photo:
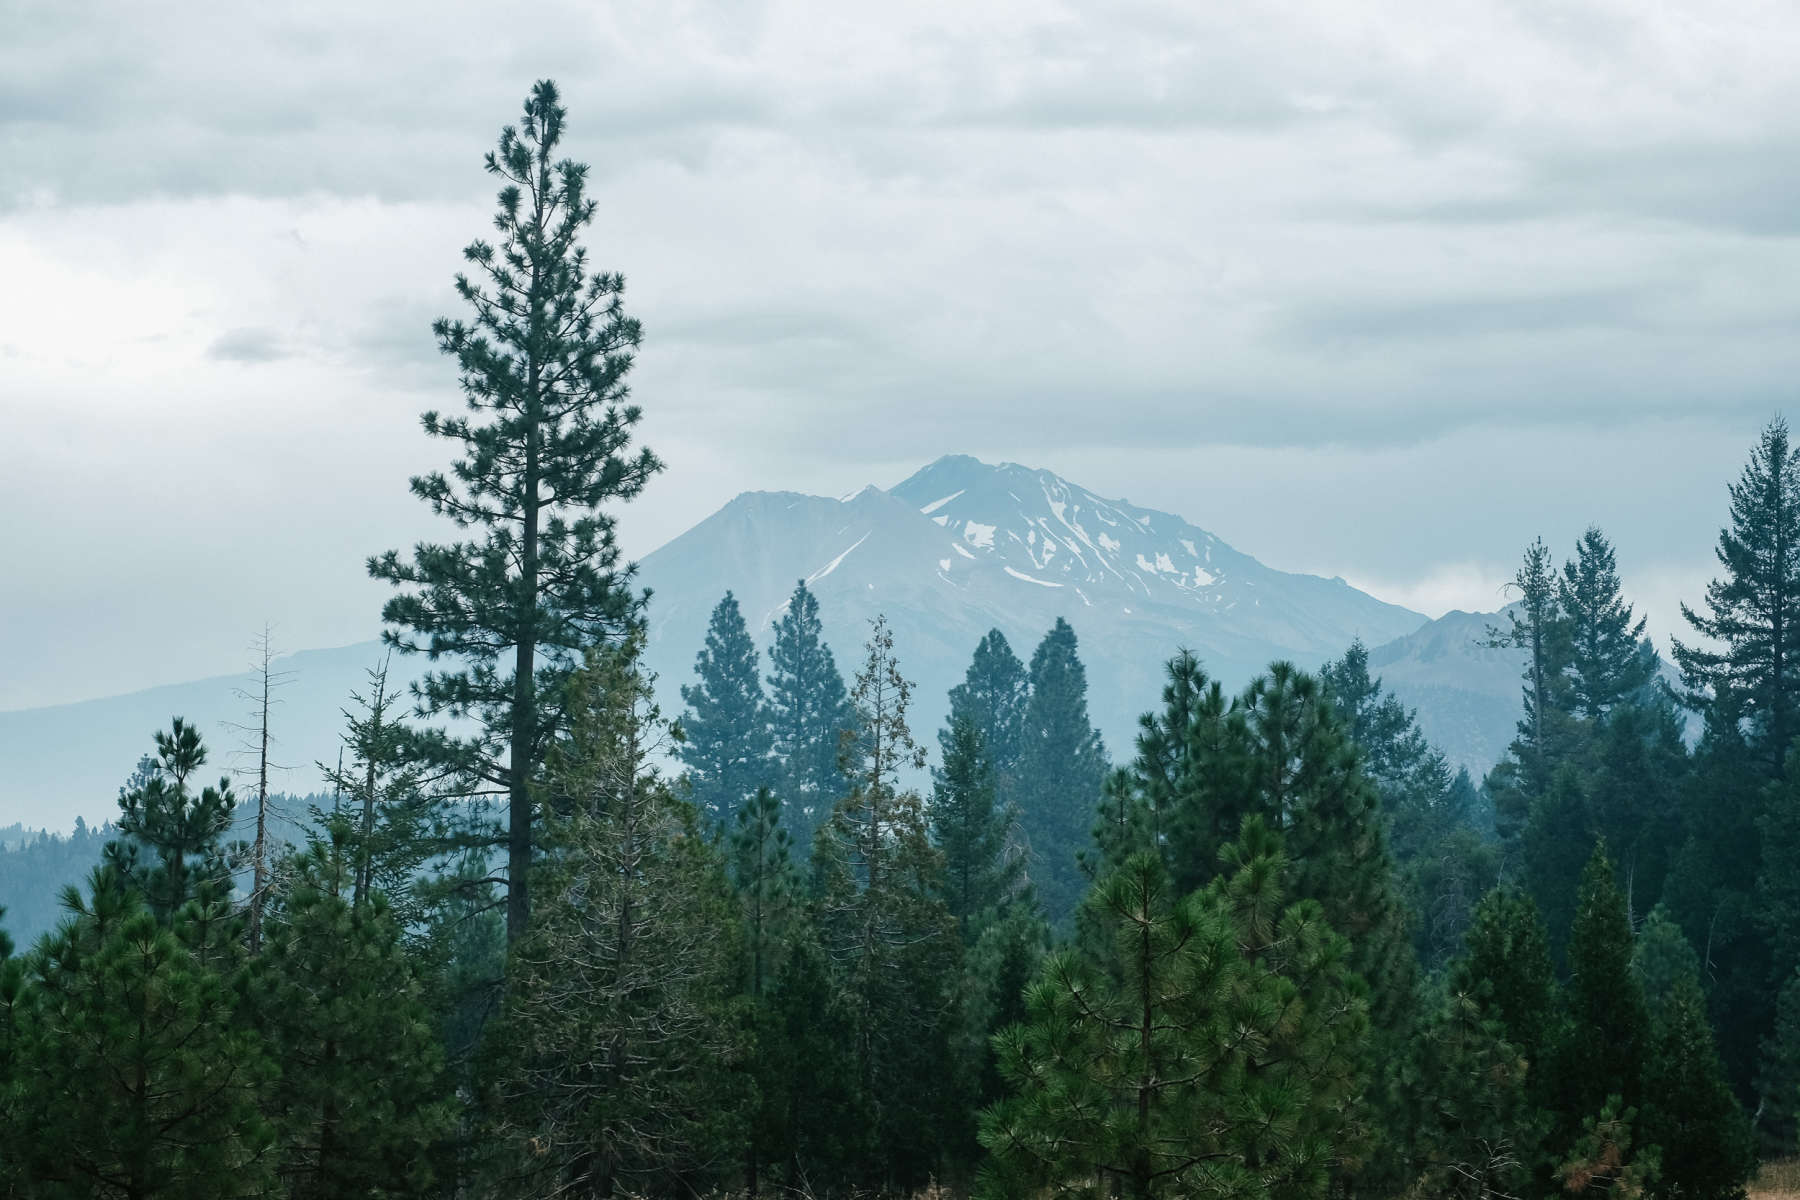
247 346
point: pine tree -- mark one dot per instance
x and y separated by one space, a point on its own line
1778 1076
1608 1157
546 445
170 1079
1753 611
992 698
767 882
160 812
362 1100
610 1065
971 830
819 1124
727 740
382 802
809 712
1225 1016
1606 667
881 920
1506 968
1062 769
1607 1039
1475 1132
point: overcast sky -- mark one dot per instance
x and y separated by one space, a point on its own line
1380 290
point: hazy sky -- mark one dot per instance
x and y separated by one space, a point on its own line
1372 289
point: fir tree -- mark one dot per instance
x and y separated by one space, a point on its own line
727 740
809 712
1778 1076
1708 1152
881 920
1062 769
1605 667
1536 627
1226 1016
1753 611
545 446
362 1099
970 829
1475 1132
1506 968
819 1124
992 698
611 1062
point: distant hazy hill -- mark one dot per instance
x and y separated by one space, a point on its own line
960 547
1467 694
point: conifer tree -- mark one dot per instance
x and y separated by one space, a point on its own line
610 1064
381 802
880 918
170 1079
1536 626
809 712
160 811
727 740
1475 1130
1778 1076
1062 769
1689 1113
1218 1056
362 1100
767 882
1506 968
1753 611
1606 666
546 446
1607 1039
970 829
992 698
818 1126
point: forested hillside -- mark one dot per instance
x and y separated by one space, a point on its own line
548 931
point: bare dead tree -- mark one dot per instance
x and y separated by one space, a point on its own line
265 682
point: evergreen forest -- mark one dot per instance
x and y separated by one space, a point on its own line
543 938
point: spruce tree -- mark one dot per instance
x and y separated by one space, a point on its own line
1214 1050
1689 1113
1606 666
971 829
1753 611
610 1066
362 1099
809 712
727 740
1778 1076
1062 769
1536 626
880 918
545 447
992 698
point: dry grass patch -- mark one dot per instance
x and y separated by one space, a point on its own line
1777 1181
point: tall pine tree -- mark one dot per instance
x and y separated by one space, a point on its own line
1604 645
1062 769
809 712
546 445
992 698
970 828
726 733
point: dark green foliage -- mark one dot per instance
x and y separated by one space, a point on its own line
1536 627
1608 1158
135 1009
1753 611
767 882
1605 665
726 736
1778 1077
996 974
1062 768
1606 1041
1474 1129
362 1099
1688 1112
542 361
611 1064
1216 1053
970 829
888 933
809 713
160 812
992 697
1506 968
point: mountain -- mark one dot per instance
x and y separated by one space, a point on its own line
1466 692
958 548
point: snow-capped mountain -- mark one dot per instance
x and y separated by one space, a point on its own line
963 546
958 548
